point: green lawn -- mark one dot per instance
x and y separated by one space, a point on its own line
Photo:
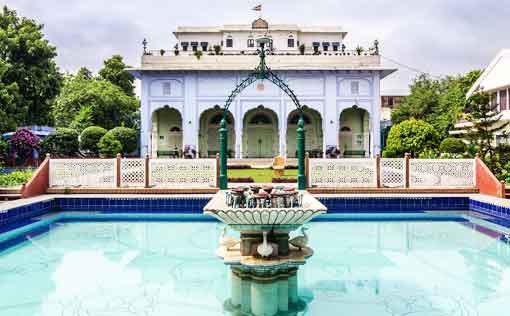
259 175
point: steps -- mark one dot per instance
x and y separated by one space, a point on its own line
9 194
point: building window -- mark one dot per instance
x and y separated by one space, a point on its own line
204 46
184 46
494 101
167 88
251 43
316 46
194 46
325 46
354 87
503 100
335 46
230 42
290 42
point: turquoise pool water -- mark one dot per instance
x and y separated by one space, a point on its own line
169 268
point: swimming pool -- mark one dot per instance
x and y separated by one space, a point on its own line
168 267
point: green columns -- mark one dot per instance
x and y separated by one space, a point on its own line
223 153
301 153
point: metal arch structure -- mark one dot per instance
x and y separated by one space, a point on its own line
262 72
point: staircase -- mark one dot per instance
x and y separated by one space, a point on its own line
9 194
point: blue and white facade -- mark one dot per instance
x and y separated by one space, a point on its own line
182 95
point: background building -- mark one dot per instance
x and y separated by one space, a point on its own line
495 80
183 90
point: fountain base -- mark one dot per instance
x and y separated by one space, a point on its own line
269 293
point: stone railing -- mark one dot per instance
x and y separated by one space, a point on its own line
392 173
133 172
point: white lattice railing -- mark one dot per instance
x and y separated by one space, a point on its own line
182 172
343 172
98 173
132 172
442 173
393 172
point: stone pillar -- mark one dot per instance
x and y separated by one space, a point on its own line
283 138
293 289
236 289
283 295
375 118
239 138
264 298
145 119
190 118
245 296
330 116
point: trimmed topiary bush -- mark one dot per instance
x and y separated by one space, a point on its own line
63 143
453 146
90 138
128 138
413 136
109 146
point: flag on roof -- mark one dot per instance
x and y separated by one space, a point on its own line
257 8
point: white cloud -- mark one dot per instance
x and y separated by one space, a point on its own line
437 36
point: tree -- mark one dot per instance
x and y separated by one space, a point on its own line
439 102
83 103
128 137
485 122
63 143
9 96
109 146
411 136
84 73
28 69
90 138
114 70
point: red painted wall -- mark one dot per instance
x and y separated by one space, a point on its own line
486 181
40 181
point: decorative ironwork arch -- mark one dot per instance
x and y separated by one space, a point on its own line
262 72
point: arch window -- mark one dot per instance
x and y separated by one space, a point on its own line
295 118
290 41
230 42
260 118
175 129
251 43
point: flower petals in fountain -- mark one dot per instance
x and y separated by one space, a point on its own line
236 208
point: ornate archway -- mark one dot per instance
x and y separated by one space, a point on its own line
208 135
262 72
260 133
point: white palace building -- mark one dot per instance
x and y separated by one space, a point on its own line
183 90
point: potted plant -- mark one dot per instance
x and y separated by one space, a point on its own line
217 49
359 50
198 54
302 48
162 52
210 52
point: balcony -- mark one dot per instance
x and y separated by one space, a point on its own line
331 61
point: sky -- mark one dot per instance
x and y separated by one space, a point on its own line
439 37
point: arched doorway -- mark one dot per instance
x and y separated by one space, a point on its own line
208 137
166 133
354 135
313 126
260 133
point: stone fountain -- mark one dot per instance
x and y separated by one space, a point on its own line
264 263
